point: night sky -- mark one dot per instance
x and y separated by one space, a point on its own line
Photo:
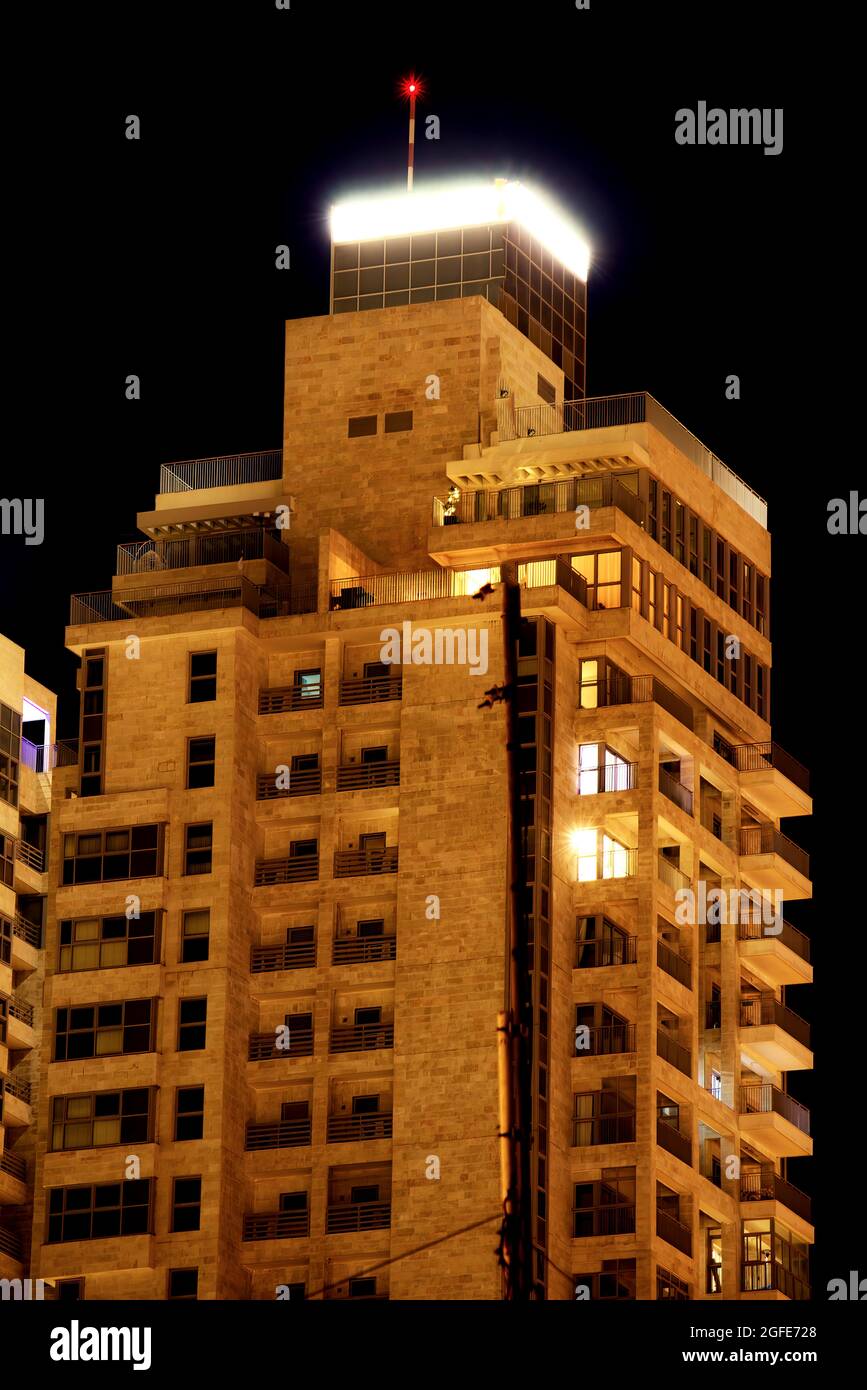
157 258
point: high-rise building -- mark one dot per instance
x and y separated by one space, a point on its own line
281 865
27 756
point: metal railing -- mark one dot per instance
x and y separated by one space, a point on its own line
603 412
675 791
357 1216
756 757
768 1009
186 552
611 777
677 966
300 868
281 699
540 499
351 862
21 1090
284 1134
10 1244
758 1276
608 1039
670 1050
361 1037
266 959
608 1220
669 1137
671 875
764 1184
44 757
31 855
27 931
223 470
13 1165
23 1012
276 1225
343 1129
305 783
639 690
191 596
370 690
357 950
789 936
602 1129
615 950
767 839
407 586
263 1046
362 776
674 1231
767 1099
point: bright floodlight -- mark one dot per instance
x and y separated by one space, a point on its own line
438 209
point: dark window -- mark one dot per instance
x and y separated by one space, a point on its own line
373 926
102 856
99 1212
192 1024
101 1119
360 425
70 1291
10 753
195 934
398 420
99 943
367 1193
201 753
300 936
203 677
186 1204
104 1030
197 849
304 762
183 1283
365 1105
362 1287
301 849
296 1290
189 1112
293 1201
368 1015
7 860
374 755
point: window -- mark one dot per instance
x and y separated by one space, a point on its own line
99 1212
102 856
5 941
362 1287
303 849
368 1192
189 1112
308 684
93 723
7 860
195 935
365 1105
636 584
374 755
192 1024
10 754
614 1282
368 1015
197 849
304 762
606 1116
200 762
186 1204
104 1030
545 390
99 943
97 1120
398 420
373 926
203 677
669 1286
605 1207
360 425
183 1283
295 1291
70 1291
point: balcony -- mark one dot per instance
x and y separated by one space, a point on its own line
779 957
266 960
674 1231
362 591
677 966
774 780
539 499
287 1134
223 470
608 1039
300 868
263 1046
764 1184
764 1276
41 757
13 1165
283 699
306 783
11 1245
773 1035
673 1052
353 777
360 950
20 1034
276 1225
668 1137
635 690
614 950
357 1216
607 1220
772 861
370 690
346 1129
190 596
610 777
669 874
351 863
19 1090
675 791
602 1129
27 931
777 1122
361 1037
202 548
31 855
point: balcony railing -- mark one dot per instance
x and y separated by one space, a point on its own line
345 1129
760 1275
276 1225
27 931
602 1129
44 757
408 586
10 1244
675 791
351 862
670 1050
186 552
22 1090
608 1220
266 959
671 875
263 1046
357 950
361 1037
766 1099
611 777
608 1039
635 690
31 855
603 412
614 950
23 1012
789 936
765 1185
677 966
767 839
13 1165
190 596
674 1231
300 868
223 470
282 699
306 783
286 1134
357 1216
370 690
756 757
671 1139
540 499
363 776
768 1009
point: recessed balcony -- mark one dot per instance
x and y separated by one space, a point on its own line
770 860
617 688
357 1216
284 1134
353 777
270 786
371 1124
361 950
276 1225
284 699
265 960
675 791
227 547
670 1138
377 590
370 690
299 868
673 1052
773 1035
361 1037
777 1122
673 1230
264 1047
352 863
764 1184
